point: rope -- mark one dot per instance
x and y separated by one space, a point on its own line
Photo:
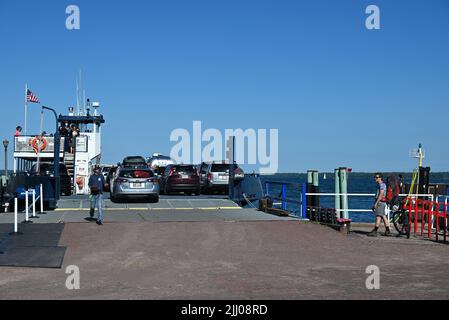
249 202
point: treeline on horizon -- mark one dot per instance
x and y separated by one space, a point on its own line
360 174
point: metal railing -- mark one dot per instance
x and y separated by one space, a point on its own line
301 202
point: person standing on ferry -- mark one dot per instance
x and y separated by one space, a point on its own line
18 132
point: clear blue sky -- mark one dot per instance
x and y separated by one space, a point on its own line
338 93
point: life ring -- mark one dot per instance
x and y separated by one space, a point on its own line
80 182
39 144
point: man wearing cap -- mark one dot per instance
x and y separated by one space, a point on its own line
96 185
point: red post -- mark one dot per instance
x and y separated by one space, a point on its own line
418 201
429 224
437 218
424 209
445 223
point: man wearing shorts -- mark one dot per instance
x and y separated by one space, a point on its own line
380 207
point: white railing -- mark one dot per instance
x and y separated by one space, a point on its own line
366 195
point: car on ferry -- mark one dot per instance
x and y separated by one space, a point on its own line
135 183
159 162
214 176
180 178
134 161
109 180
105 170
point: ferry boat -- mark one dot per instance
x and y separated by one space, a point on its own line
81 156
78 156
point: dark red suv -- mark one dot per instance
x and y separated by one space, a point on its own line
180 178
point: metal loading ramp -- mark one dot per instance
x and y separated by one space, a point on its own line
169 203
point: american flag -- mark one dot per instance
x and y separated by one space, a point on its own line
32 98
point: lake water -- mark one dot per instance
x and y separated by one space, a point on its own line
357 183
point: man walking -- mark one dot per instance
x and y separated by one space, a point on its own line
380 207
96 185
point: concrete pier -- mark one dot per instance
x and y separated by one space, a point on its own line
226 254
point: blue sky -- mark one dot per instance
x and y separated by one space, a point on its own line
339 94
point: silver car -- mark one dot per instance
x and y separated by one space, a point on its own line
139 183
215 176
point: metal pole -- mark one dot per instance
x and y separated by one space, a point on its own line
26 109
304 201
337 191
16 224
34 205
57 147
316 188
16 212
5 144
344 191
284 197
27 218
41 196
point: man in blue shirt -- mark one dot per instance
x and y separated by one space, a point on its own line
96 185
380 207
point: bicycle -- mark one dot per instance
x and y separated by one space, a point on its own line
401 218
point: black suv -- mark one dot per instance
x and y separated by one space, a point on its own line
134 161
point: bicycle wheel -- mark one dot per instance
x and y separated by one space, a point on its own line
401 223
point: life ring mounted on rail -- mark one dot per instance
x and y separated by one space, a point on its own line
39 144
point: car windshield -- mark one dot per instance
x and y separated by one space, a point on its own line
106 169
160 158
184 170
134 160
136 174
220 168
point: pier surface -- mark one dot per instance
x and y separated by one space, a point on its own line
209 251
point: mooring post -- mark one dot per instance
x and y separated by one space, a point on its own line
309 187
337 193
344 191
316 188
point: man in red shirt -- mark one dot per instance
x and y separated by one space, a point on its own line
18 132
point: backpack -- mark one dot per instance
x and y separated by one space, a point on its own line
393 190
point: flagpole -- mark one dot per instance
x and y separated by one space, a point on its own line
26 109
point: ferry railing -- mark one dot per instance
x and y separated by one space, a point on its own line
365 195
300 203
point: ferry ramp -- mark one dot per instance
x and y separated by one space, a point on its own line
168 209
